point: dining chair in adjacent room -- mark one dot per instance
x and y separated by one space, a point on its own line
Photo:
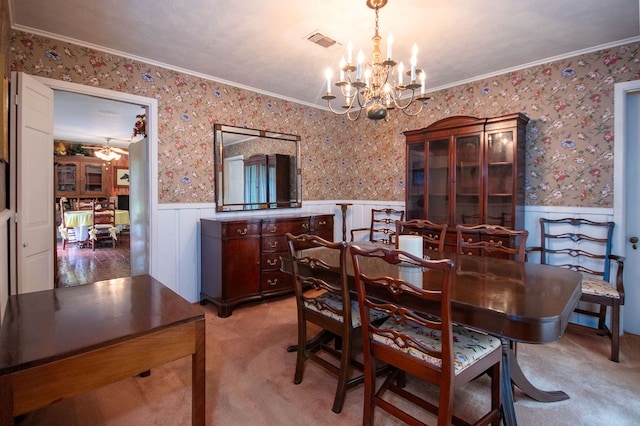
382 228
433 234
492 240
322 298
103 227
67 233
430 348
586 246
83 204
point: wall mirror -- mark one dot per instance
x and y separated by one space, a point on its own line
256 169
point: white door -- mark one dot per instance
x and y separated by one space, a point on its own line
627 205
234 180
32 107
138 207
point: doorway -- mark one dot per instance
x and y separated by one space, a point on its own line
143 209
89 125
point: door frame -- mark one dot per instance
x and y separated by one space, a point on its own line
621 93
151 105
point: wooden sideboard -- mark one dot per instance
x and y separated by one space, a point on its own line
240 257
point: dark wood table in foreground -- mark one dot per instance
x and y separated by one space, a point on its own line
521 302
56 344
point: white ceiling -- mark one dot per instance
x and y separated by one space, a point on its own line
263 46
89 119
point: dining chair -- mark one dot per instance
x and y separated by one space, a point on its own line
492 240
322 298
103 227
83 204
382 228
586 246
433 234
67 233
430 348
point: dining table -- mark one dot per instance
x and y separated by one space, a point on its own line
81 220
516 301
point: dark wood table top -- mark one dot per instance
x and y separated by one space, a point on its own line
73 320
520 301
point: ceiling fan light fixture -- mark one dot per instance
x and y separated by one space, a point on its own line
107 154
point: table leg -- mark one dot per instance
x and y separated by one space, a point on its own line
520 380
508 410
198 377
6 401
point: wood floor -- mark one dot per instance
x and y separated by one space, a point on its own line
77 266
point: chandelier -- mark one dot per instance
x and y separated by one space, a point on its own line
377 86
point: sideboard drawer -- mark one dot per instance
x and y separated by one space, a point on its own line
240 229
282 226
270 261
276 282
322 222
274 243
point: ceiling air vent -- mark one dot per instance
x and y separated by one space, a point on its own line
321 40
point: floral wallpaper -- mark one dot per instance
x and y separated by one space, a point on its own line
569 138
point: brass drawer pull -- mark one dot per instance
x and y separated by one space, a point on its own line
322 222
305 226
242 231
273 244
273 230
272 262
273 283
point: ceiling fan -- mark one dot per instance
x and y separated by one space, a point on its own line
107 152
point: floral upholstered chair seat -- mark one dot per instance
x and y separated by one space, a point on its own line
329 304
468 346
599 288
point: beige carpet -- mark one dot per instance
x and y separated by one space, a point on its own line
250 382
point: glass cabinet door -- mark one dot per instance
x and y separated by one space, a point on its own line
438 181
92 179
66 179
468 179
500 197
415 181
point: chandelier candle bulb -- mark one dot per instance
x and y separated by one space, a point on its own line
389 44
328 74
359 69
423 77
414 60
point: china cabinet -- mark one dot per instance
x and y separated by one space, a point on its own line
81 176
267 180
467 170
240 256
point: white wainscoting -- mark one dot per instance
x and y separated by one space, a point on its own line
177 255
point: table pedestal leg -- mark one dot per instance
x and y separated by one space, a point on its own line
520 380
508 410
